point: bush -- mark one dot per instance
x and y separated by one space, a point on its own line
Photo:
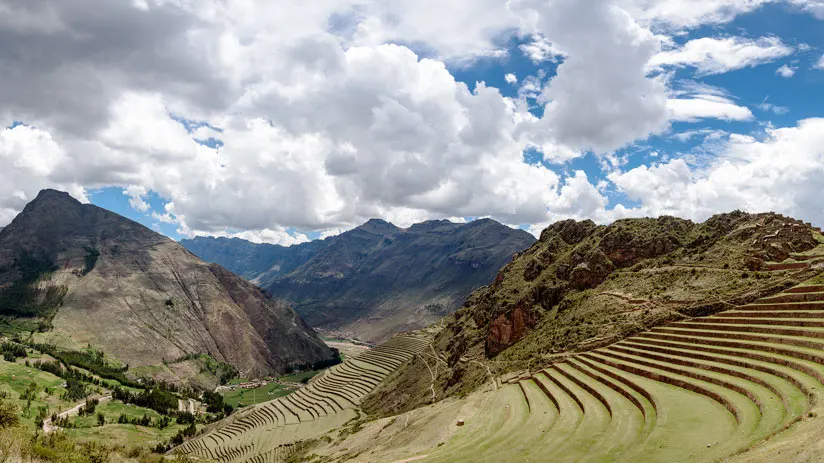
9 415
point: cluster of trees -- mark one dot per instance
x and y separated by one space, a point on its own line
317 365
56 368
89 407
155 398
161 423
223 371
91 360
214 403
12 351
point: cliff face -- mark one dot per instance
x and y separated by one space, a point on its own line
377 279
582 286
100 279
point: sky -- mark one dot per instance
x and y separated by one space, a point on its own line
281 122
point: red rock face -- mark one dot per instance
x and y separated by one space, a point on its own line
507 329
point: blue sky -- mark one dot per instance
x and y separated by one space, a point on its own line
286 123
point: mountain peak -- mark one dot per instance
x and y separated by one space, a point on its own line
52 196
378 226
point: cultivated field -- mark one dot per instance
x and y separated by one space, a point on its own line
265 433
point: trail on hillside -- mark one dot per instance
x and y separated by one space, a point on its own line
48 427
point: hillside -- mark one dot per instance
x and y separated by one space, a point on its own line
91 278
376 279
582 286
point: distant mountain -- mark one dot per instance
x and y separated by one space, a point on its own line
376 279
102 280
251 260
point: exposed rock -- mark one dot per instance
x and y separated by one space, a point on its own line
570 231
510 327
592 272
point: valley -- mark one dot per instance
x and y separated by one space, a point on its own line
640 341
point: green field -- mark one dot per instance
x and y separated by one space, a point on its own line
16 378
243 397
112 433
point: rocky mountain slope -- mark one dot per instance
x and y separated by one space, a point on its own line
582 286
97 279
376 279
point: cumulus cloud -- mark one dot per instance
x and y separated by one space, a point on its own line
601 97
719 55
323 114
511 78
540 49
820 63
781 172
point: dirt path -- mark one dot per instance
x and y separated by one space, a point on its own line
47 423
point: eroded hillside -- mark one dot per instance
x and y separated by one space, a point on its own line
582 286
95 279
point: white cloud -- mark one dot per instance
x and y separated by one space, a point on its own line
679 14
782 173
322 123
601 97
540 49
137 197
815 7
706 106
720 55
511 78
786 71
29 162
820 63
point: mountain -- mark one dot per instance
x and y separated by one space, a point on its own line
377 279
582 286
99 280
251 260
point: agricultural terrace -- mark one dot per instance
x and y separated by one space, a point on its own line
694 390
266 432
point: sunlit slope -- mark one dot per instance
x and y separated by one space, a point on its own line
266 432
696 390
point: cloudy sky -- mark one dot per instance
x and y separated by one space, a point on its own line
282 121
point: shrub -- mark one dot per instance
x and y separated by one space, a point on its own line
9 415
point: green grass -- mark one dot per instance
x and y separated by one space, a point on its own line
9 326
15 378
243 397
124 434
300 377
87 428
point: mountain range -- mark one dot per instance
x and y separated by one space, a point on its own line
95 279
377 279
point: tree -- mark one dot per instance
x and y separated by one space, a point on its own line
8 415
